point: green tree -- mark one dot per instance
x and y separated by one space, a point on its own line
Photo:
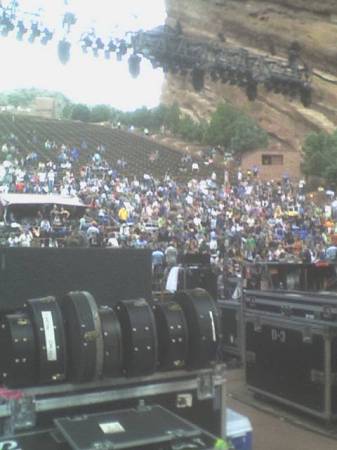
172 118
67 111
190 130
159 115
233 130
16 99
320 156
80 112
141 118
100 113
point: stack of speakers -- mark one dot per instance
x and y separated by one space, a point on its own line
75 340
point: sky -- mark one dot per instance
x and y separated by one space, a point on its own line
85 79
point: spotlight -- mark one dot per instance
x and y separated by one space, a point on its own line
47 36
110 48
99 45
35 32
86 43
165 67
294 53
21 30
251 90
198 79
63 50
306 95
122 50
69 19
6 25
134 65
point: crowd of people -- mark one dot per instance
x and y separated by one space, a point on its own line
249 219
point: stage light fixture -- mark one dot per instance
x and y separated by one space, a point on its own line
122 50
6 25
63 51
35 33
46 36
87 42
251 90
110 48
198 78
69 19
306 95
99 45
22 30
134 65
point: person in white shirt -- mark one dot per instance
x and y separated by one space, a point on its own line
113 241
13 240
25 238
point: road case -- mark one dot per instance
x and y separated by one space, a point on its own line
230 326
308 305
293 361
145 427
197 396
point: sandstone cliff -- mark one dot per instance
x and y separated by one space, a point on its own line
265 26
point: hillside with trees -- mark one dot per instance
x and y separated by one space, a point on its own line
228 127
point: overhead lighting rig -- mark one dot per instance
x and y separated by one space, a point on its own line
176 53
236 66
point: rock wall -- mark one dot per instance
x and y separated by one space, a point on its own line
265 27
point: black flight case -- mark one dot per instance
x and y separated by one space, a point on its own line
50 417
290 349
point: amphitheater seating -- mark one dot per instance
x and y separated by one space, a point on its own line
119 144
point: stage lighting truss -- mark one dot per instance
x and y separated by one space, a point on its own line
176 53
